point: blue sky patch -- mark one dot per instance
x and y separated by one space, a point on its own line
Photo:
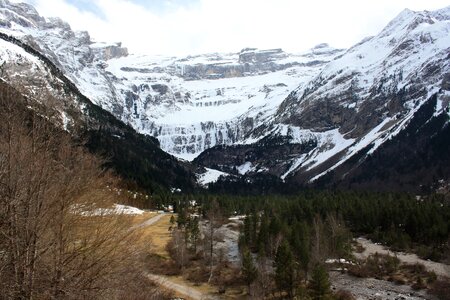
164 6
88 5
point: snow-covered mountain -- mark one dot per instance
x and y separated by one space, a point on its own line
28 66
254 111
370 93
360 100
194 103
190 104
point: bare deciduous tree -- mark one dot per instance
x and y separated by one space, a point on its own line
339 236
319 249
214 221
50 246
177 248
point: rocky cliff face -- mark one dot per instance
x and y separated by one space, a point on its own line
194 103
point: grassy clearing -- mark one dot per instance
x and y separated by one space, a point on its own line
204 287
157 235
138 219
208 289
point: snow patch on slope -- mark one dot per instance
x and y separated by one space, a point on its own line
210 176
117 209
332 142
245 168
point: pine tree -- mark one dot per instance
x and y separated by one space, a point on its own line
254 229
182 217
285 269
263 235
172 222
214 216
304 247
249 271
320 283
194 233
247 231
274 232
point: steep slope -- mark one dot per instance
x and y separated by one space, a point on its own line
358 101
137 158
418 154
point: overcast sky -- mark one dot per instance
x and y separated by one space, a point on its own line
180 27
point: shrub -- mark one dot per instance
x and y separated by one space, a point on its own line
343 295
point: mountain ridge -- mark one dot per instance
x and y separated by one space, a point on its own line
370 102
259 111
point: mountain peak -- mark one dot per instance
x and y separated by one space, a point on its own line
321 46
408 20
400 21
442 14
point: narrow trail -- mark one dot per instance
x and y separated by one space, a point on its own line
148 222
165 281
371 248
185 290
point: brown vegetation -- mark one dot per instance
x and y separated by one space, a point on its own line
441 288
386 267
49 247
343 295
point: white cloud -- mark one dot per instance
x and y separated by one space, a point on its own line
229 25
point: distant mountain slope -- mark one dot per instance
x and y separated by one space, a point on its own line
417 159
358 102
135 157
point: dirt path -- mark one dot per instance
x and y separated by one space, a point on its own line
179 288
148 222
371 248
156 227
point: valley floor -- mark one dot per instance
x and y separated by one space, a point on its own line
156 228
371 248
371 288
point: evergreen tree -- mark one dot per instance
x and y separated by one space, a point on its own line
194 233
182 218
285 269
254 229
304 247
263 234
249 271
187 231
247 231
274 231
172 222
300 242
320 283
